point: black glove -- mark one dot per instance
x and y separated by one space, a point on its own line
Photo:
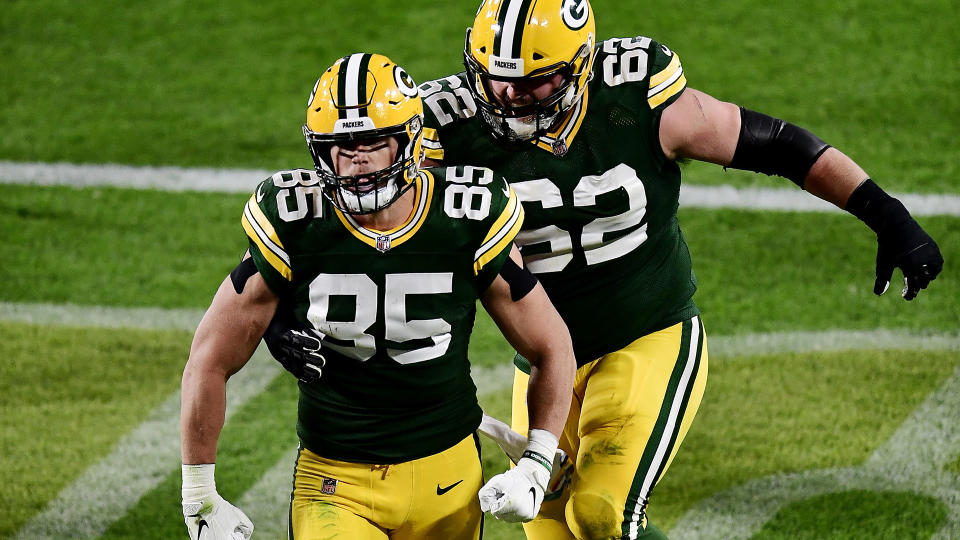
901 241
296 348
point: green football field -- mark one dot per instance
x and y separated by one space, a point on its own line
829 412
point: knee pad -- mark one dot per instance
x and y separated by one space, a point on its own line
593 516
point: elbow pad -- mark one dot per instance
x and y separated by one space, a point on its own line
771 146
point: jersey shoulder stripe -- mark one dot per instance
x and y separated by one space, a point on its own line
667 83
501 233
262 233
432 148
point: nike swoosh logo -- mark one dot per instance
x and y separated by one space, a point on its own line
506 188
202 524
441 491
259 192
534 495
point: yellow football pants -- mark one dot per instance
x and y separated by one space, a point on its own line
630 411
431 497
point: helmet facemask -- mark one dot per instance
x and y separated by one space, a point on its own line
530 121
371 191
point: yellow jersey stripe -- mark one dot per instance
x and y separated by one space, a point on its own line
432 148
668 92
504 216
499 239
667 72
273 254
568 129
262 221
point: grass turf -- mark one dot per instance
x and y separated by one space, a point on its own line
217 85
66 396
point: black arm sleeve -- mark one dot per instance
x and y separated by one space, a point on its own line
771 146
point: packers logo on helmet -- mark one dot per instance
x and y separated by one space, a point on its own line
528 42
365 97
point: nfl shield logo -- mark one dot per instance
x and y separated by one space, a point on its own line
559 148
383 243
329 486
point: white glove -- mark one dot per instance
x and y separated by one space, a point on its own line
516 495
208 515
513 444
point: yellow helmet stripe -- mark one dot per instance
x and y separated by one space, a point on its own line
501 234
259 229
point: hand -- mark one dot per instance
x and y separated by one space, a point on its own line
513 445
905 245
297 350
216 519
516 494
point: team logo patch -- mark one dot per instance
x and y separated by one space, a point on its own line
383 243
575 13
329 486
404 82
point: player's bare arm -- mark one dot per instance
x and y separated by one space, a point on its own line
223 343
701 127
225 340
534 328
520 307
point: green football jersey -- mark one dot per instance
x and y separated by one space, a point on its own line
601 230
395 308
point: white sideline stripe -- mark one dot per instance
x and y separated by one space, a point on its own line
101 316
140 460
245 180
911 460
149 453
719 346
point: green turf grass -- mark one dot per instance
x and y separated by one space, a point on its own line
794 412
757 271
857 514
207 83
66 396
808 411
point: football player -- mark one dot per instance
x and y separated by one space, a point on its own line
589 134
382 263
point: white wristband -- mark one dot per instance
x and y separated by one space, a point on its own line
545 444
198 483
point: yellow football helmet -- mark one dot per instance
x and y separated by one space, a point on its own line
520 41
364 97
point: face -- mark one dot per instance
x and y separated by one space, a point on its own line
360 157
525 91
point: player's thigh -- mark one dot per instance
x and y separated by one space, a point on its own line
638 404
444 501
331 498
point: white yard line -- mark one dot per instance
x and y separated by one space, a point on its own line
143 458
911 461
244 181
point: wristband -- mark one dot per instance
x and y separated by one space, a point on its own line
198 483
541 447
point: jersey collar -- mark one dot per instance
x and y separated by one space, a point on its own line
384 240
560 139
